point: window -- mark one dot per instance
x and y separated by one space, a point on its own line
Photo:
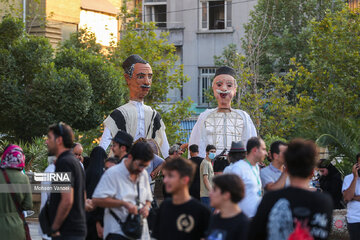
215 15
206 77
155 11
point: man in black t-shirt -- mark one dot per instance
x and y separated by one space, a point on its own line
195 185
231 223
181 217
66 209
295 212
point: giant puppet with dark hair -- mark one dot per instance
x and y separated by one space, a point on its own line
136 118
222 125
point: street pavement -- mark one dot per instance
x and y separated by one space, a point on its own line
34 232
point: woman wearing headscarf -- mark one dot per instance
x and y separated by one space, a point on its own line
93 175
331 182
12 163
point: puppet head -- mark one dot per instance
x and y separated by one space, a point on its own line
138 75
224 86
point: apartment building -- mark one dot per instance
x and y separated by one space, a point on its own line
200 29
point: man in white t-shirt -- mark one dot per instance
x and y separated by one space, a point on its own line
248 170
119 187
351 192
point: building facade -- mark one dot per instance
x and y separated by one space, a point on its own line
200 29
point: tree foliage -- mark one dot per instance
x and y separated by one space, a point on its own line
268 104
39 87
143 38
335 63
278 31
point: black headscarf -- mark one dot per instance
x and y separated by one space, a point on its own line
95 169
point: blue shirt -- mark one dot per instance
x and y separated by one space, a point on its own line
154 164
270 174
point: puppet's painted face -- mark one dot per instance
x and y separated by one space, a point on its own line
224 88
140 82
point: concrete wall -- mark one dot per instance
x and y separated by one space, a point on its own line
64 10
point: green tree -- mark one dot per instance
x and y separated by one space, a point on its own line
278 31
268 104
335 63
139 37
77 86
103 76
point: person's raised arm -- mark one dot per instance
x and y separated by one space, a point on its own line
349 193
279 184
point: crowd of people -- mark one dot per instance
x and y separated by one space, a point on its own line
245 200
130 192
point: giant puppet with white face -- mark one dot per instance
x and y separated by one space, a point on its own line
136 118
222 125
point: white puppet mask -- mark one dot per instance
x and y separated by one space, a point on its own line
224 88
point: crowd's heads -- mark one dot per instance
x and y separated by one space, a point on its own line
301 157
175 150
277 150
210 151
138 75
237 151
224 86
121 144
226 187
178 172
59 135
77 149
13 157
256 148
193 150
140 156
110 162
153 144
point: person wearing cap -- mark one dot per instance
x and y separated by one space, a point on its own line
12 164
222 125
273 177
237 152
121 144
136 118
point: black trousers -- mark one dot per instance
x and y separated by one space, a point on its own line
114 236
354 231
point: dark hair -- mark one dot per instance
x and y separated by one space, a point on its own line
275 147
128 64
75 144
210 147
230 183
127 148
301 158
253 142
63 130
142 151
236 156
112 160
184 167
194 148
357 156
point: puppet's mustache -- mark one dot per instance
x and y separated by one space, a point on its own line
222 92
